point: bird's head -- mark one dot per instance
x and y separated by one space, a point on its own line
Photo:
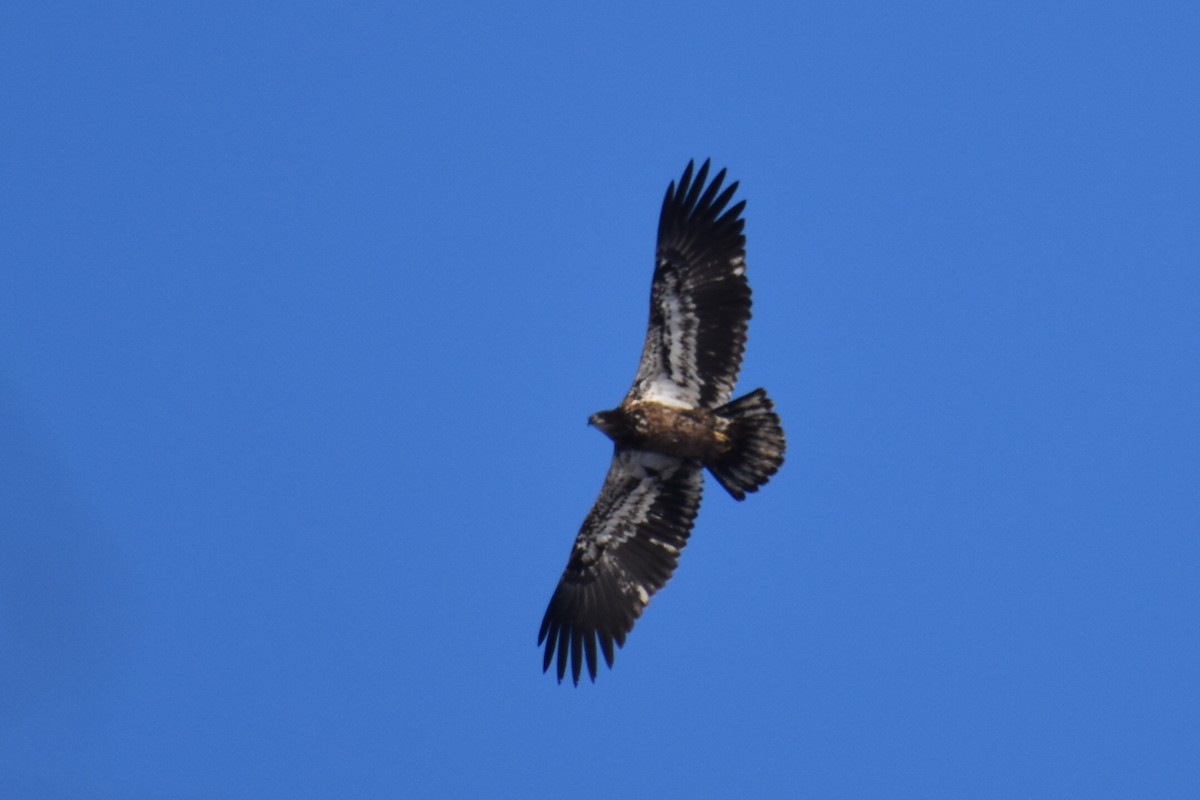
609 422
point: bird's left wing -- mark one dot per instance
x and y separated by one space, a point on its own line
626 551
699 298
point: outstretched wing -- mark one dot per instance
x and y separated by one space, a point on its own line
699 301
626 551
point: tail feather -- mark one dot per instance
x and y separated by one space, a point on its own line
758 444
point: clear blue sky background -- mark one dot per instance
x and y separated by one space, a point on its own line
303 310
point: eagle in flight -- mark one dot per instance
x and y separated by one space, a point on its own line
676 421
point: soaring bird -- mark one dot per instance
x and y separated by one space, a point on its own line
676 421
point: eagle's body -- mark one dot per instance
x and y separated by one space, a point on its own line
676 421
680 432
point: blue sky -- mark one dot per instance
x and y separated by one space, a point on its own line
303 310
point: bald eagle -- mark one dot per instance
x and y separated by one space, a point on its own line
674 423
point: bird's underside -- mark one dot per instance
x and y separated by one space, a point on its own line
676 421
680 432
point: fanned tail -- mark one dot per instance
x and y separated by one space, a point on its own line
758 444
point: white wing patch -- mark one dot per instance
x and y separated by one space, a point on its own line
639 474
676 382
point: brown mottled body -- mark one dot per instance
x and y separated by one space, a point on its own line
694 433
